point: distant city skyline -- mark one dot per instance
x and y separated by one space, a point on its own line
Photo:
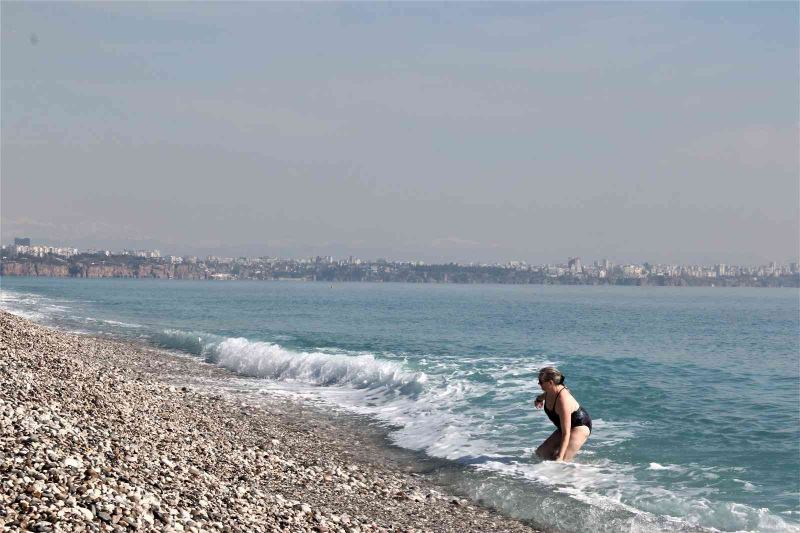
25 258
660 132
22 244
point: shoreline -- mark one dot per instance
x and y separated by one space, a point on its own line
101 433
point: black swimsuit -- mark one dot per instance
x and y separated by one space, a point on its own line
579 417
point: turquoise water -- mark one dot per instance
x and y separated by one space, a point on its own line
695 393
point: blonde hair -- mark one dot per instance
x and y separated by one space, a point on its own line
551 373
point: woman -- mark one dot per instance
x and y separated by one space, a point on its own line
573 422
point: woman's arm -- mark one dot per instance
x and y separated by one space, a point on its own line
566 426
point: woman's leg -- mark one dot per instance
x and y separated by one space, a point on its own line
549 446
577 438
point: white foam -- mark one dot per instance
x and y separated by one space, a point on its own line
438 420
746 485
613 490
267 360
122 324
30 315
674 468
31 306
22 304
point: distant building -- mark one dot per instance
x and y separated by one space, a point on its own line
149 254
554 271
574 265
42 251
632 271
22 241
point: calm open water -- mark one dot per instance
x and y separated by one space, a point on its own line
695 393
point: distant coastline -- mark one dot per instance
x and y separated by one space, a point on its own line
326 270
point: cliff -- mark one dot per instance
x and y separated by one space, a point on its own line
101 270
26 268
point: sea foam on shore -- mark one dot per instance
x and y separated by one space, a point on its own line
90 438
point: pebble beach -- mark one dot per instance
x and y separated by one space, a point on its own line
93 437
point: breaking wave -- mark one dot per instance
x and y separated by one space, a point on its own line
273 361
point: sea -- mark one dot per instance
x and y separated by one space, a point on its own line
694 392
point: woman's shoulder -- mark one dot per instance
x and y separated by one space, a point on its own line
566 397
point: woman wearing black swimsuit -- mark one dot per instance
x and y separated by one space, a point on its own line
573 423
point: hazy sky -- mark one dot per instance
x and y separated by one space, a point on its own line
460 131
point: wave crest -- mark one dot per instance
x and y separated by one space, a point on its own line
273 361
268 360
